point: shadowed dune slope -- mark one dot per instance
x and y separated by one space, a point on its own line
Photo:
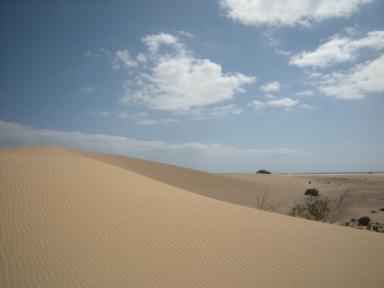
237 190
72 221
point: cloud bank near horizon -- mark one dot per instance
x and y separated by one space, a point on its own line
212 157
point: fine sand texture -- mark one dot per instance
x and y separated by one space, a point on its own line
74 219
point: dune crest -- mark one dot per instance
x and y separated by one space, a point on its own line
226 187
73 221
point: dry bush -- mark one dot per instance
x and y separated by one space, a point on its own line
320 208
263 203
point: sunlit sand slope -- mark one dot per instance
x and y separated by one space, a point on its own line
238 190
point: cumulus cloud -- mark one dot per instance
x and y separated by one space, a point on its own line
141 58
356 83
198 155
122 57
338 49
175 80
154 41
288 13
270 87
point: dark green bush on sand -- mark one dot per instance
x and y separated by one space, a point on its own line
364 221
263 172
312 192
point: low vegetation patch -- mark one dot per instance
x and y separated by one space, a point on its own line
312 192
364 221
262 171
264 203
319 208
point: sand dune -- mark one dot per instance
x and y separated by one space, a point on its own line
70 220
239 189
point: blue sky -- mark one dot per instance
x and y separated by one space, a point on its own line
231 85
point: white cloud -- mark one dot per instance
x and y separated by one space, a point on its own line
270 96
338 49
306 106
154 41
282 103
184 33
305 93
141 58
285 103
272 41
97 53
122 57
288 13
283 52
144 118
356 83
87 89
101 113
202 113
257 105
178 81
192 154
270 87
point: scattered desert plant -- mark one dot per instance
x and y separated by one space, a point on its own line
312 192
262 171
313 208
381 209
373 211
339 207
263 203
320 208
364 221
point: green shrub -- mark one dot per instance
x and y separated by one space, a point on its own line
320 208
312 208
364 221
312 192
262 171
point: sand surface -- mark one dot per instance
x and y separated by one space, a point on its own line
365 191
76 219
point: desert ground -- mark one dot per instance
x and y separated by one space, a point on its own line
71 218
365 191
